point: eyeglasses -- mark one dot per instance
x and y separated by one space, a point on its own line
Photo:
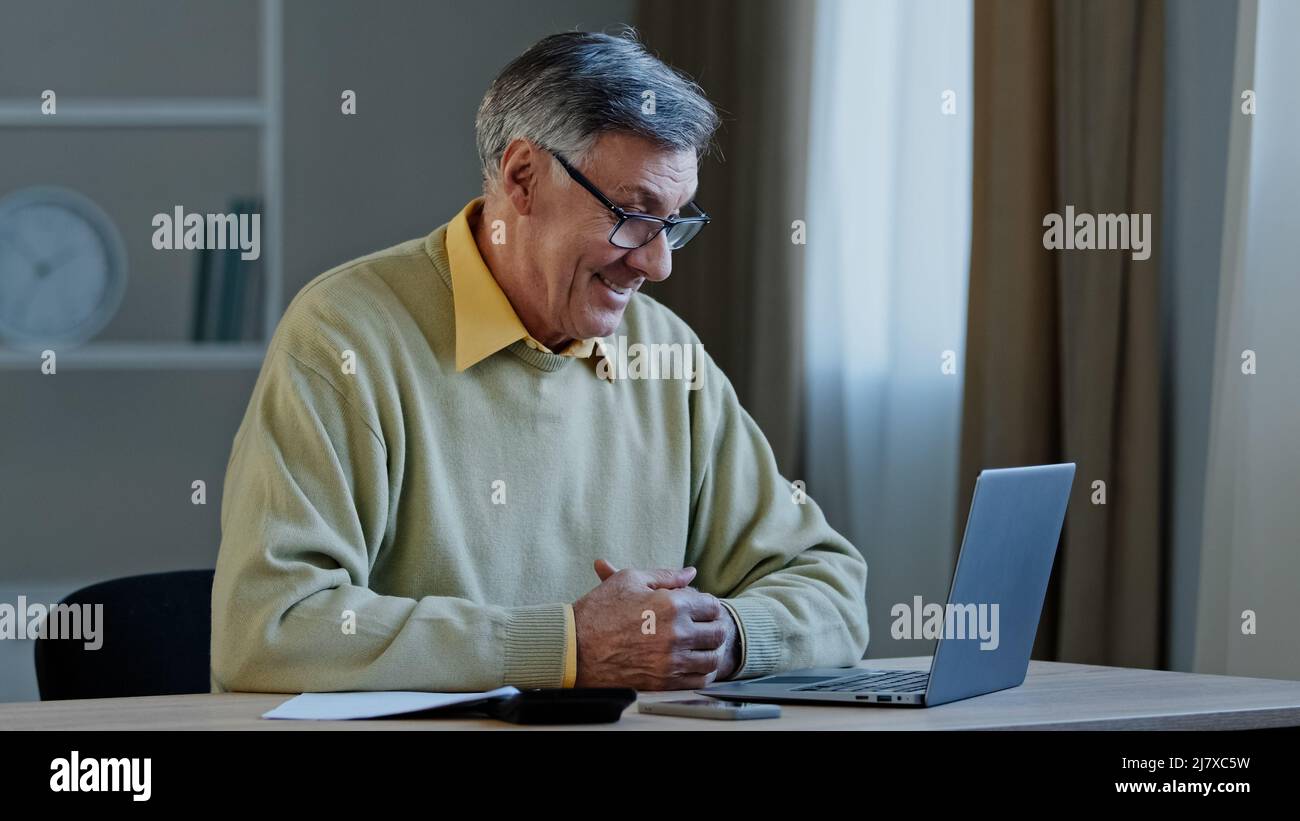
633 230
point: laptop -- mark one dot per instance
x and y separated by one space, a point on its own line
986 631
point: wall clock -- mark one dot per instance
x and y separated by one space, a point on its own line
62 268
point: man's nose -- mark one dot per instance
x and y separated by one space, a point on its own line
654 260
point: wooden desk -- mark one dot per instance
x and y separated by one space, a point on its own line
1054 696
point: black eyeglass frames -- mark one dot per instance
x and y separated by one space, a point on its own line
633 230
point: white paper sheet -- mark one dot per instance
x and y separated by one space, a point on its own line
335 706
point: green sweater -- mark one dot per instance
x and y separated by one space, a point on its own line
409 527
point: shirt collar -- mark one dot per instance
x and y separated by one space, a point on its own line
485 320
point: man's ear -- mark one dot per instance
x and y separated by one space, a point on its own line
521 167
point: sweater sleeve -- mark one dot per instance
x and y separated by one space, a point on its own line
796 587
305 514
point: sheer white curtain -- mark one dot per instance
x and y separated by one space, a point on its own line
888 235
1251 534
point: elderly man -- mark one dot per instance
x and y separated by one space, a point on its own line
438 453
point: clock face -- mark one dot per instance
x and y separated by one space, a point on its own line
62 268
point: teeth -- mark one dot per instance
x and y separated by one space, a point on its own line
612 286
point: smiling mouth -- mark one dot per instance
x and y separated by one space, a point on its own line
615 288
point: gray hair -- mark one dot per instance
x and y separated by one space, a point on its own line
568 89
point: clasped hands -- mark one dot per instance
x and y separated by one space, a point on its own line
650 630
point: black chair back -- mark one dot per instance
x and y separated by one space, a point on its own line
155 631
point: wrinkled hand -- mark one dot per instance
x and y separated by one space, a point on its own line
689 642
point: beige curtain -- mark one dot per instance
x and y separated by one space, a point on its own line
1062 353
739 285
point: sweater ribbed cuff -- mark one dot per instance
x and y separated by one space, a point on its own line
760 636
535 646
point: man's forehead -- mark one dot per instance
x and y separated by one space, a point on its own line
642 173
653 198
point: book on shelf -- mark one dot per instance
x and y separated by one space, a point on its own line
228 291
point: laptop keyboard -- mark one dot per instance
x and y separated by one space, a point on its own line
892 681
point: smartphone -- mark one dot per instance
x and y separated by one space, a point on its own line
709 708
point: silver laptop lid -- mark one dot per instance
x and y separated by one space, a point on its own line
997 590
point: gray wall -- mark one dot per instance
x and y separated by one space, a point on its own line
96 466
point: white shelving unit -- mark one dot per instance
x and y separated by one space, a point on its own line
136 113
143 356
264 112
